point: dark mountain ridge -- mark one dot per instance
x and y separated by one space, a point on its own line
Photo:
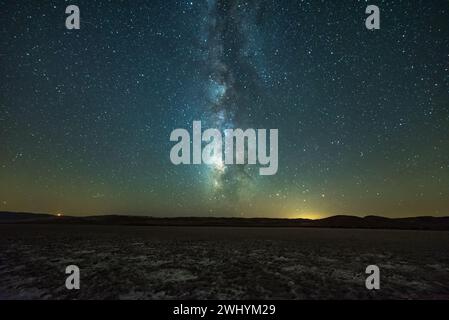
339 221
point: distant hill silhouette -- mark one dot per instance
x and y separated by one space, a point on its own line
23 216
339 221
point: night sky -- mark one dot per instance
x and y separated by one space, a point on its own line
363 116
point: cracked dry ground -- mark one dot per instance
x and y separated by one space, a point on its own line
125 262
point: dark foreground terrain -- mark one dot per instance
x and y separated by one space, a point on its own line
131 262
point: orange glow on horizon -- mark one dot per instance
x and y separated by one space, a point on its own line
308 215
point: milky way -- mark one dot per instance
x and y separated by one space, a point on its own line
232 75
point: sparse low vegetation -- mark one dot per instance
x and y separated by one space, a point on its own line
119 262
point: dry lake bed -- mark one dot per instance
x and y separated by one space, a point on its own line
130 262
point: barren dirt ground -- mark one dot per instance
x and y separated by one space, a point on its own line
121 262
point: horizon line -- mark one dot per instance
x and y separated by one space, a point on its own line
215 217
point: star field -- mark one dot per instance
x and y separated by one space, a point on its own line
363 116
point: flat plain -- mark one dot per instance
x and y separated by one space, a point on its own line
143 262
